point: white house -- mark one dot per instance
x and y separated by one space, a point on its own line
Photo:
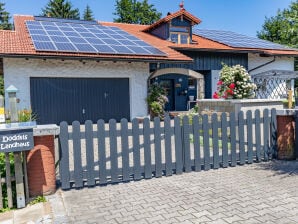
78 70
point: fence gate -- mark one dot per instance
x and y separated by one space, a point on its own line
118 152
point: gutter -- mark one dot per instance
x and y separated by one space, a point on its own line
260 66
213 50
94 58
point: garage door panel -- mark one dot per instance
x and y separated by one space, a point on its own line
68 99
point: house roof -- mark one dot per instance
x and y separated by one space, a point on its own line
181 12
200 43
18 43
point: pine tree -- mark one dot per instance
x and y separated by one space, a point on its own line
133 11
61 9
4 18
88 14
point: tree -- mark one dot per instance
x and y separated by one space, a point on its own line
88 14
61 9
282 28
4 18
135 12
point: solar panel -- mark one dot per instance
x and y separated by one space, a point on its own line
44 45
237 40
42 18
51 34
65 47
40 38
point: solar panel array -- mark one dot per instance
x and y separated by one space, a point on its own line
69 36
238 40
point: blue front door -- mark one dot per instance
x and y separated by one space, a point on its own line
168 84
179 88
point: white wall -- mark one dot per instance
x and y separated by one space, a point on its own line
17 72
280 63
254 60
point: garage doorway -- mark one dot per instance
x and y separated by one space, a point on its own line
68 99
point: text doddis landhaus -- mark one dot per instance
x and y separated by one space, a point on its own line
14 141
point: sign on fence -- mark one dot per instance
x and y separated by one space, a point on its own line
16 140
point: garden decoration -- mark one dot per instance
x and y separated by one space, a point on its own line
234 83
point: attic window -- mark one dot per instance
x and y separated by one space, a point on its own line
180 38
179 35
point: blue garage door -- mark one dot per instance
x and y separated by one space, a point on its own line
68 99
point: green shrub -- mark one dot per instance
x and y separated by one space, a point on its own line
38 199
156 100
3 175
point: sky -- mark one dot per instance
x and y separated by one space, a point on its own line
241 16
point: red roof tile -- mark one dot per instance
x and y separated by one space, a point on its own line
19 42
181 12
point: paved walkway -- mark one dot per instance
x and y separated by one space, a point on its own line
259 193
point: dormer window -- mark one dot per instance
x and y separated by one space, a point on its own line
175 27
179 35
179 38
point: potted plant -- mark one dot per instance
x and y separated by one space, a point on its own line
156 100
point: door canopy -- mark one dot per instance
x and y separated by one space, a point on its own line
181 71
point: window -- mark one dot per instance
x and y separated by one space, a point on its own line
191 83
175 37
184 38
179 38
180 34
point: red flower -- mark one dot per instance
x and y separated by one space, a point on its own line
219 82
215 95
232 86
229 92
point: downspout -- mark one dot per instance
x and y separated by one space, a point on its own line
260 66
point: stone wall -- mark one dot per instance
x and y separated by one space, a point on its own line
222 105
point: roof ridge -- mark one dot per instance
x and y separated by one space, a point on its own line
22 15
130 24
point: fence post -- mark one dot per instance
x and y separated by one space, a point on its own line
41 161
21 202
273 132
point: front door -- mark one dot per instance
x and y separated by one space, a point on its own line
168 84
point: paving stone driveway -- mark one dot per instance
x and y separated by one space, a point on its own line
259 193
